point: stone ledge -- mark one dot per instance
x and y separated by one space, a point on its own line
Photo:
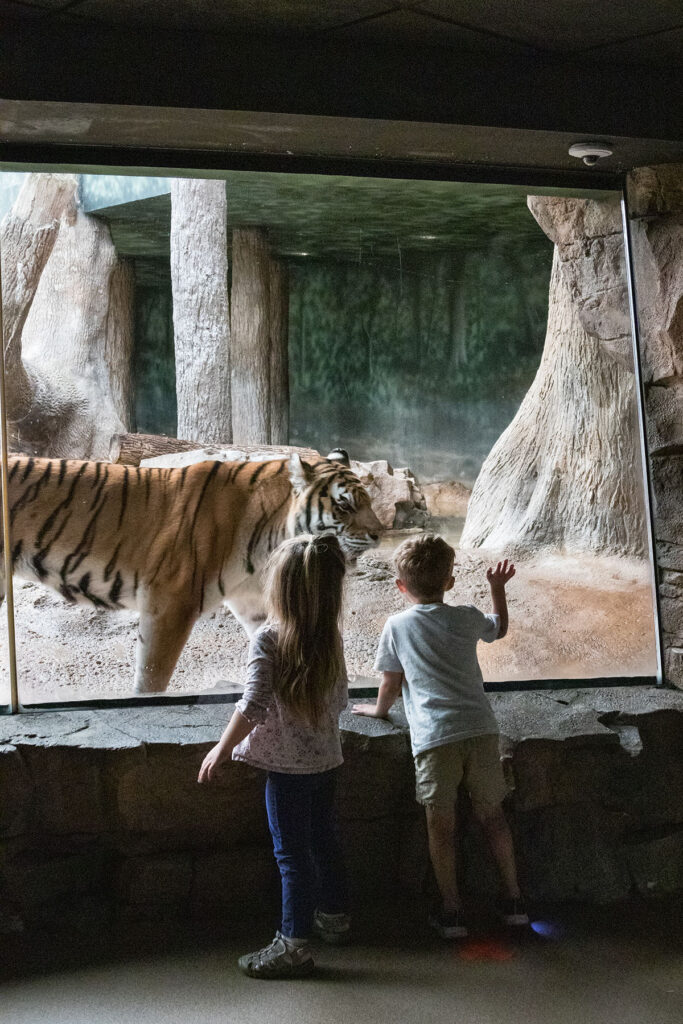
553 715
102 807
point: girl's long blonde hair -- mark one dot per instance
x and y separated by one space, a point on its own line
304 584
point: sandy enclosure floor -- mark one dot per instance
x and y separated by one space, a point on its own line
569 618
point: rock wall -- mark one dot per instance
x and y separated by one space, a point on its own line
102 814
655 196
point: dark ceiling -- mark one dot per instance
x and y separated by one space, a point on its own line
594 31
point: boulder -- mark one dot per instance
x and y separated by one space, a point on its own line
395 494
447 498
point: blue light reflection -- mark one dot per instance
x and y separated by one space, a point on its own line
547 929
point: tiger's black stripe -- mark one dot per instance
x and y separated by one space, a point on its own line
111 564
47 525
117 586
31 492
83 548
124 496
62 472
257 473
103 484
84 587
28 470
210 475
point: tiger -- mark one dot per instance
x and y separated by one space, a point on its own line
175 543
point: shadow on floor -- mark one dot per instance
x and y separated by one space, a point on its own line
577 965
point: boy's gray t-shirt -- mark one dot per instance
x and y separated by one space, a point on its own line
435 646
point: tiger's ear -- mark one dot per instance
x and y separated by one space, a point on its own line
300 473
340 455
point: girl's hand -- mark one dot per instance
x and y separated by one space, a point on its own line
367 709
501 575
216 757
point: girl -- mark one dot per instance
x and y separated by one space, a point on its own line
288 723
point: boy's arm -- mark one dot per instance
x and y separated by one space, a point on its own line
389 691
497 578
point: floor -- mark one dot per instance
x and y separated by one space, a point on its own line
609 965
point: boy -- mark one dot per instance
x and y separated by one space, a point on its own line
430 652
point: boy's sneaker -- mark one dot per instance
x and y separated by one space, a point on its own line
280 959
513 912
449 924
335 929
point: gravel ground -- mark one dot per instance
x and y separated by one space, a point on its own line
569 617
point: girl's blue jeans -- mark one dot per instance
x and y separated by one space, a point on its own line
302 822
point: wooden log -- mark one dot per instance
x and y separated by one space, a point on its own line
279 352
201 318
131 449
250 337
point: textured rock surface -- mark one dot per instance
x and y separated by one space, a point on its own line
565 475
395 494
201 308
590 245
655 197
69 322
101 808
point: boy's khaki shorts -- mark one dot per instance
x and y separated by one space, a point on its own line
474 761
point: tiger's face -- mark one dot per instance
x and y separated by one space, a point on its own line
329 498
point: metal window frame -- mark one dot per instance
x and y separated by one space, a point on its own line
112 160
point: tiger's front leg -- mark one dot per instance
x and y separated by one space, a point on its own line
162 634
247 604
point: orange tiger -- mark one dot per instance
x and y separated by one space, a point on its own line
174 543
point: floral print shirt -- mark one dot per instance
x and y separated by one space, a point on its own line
281 741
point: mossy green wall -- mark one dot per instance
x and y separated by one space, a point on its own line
421 360
424 361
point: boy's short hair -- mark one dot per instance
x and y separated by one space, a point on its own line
424 563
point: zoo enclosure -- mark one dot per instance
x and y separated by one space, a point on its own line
532 683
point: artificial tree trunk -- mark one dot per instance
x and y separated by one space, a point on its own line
251 337
279 352
201 316
566 473
69 324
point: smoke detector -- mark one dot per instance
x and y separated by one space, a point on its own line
590 152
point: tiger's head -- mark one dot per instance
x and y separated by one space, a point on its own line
329 498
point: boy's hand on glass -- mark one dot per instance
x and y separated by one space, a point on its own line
501 575
370 710
215 758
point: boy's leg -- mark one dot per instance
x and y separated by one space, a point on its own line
288 803
484 779
499 838
441 834
326 849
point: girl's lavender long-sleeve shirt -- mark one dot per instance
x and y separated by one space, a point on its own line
281 741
